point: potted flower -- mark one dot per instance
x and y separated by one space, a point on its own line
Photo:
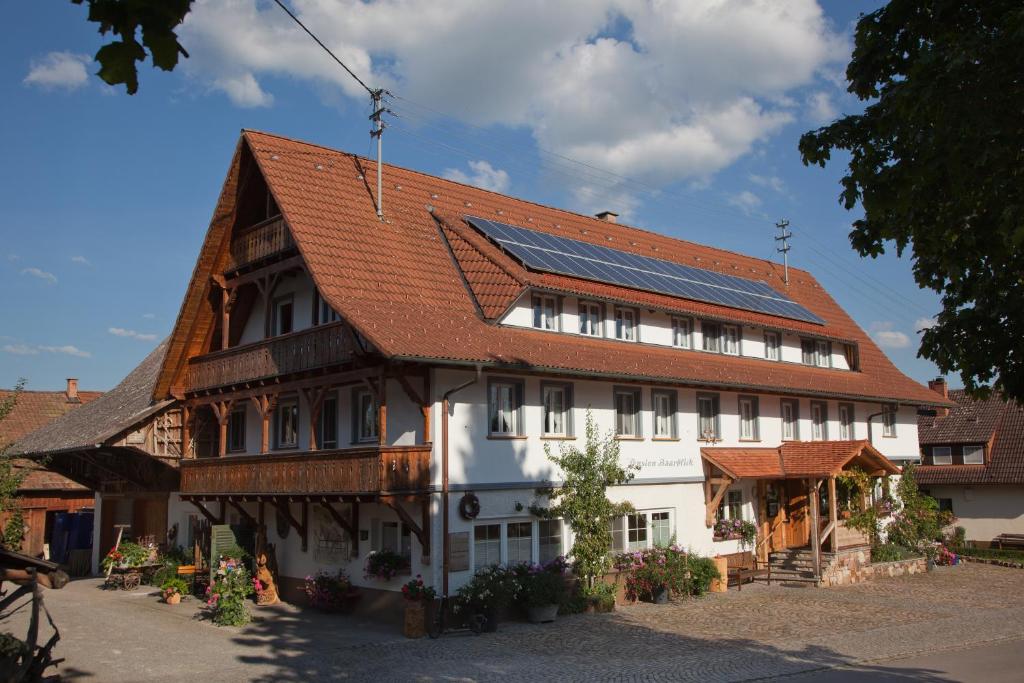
542 589
652 574
172 590
735 529
416 595
331 591
491 589
385 565
227 592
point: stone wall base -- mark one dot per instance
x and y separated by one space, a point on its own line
854 566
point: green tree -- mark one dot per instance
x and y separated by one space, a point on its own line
919 522
10 479
582 499
155 20
936 160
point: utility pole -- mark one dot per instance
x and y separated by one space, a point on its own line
782 237
378 132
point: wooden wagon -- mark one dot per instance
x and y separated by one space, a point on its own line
129 578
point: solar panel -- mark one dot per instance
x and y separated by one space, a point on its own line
553 254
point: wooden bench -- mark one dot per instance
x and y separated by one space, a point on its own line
1008 541
743 567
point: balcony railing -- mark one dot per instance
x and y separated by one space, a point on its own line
261 241
309 349
354 470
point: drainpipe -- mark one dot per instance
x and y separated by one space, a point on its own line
444 476
872 416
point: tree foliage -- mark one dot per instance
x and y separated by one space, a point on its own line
155 20
11 478
582 499
919 522
937 162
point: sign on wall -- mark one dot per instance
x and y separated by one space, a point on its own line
458 551
330 546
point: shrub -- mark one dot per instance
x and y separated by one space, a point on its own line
702 571
226 595
172 586
993 554
601 596
890 552
919 522
328 591
648 571
490 588
384 565
540 585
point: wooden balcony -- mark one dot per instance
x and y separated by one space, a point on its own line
377 469
309 349
261 241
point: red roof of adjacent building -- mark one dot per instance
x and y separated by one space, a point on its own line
797 459
32 410
423 285
975 422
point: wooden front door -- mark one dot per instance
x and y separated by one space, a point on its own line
772 532
798 522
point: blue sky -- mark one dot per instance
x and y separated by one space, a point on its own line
107 196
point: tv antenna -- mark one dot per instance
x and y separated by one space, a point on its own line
783 238
377 98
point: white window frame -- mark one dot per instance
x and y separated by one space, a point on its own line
624 331
710 337
591 317
547 391
635 401
496 389
285 407
664 404
541 559
772 346
977 454
504 554
682 333
365 427
715 416
889 421
621 528
477 564
819 428
946 458
793 407
750 428
529 541
545 312
725 507
823 353
328 409
846 426
731 340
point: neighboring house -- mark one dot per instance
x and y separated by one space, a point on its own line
43 493
352 384
973 463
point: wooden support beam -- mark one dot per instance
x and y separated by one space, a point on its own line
382 410
243 512
833 514
222 411
265 405
422 533
713 496
302 528
210 517
815 527
315 400
186 431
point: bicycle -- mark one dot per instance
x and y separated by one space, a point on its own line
437 626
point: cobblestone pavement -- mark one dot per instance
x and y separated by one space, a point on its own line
759 633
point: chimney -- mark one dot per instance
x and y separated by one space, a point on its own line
607 216
939 386
72 390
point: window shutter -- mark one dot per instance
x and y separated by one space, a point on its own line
519 409
221 538
569 405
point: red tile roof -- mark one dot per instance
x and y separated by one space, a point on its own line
972 422
35 409
415 298
797 459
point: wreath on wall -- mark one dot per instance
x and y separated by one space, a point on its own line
469 506
283 525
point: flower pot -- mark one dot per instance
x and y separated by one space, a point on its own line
659 596
173 599
542 614
415 625
490 616
931 565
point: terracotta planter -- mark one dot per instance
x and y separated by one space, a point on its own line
415 625
173 599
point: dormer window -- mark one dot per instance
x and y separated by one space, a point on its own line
545 313
711 333
682 329
816 352
772 347
942 455
591 319
625 324
974 454
731 340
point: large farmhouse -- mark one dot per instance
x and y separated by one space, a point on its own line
355 384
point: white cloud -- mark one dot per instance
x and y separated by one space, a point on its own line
888 338
771 182
746 201
820 109
684 90
26 350
81 259
482 175
41 274
149 316
922 324
58 70
21 349
131 334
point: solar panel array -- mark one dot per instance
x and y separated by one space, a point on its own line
553 254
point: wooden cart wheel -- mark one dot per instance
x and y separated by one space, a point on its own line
131 581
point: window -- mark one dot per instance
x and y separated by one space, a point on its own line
850 353
286 424
889 421
284 308
772 347
790 409
236 430
942 455
505 401
819 421
545 312
322 311
708 417
520 542
945 504
486 545
682 329
636 531
664 414
395 536
807 352
974 455
365 416
661 529
731 506
846 422
748 418
627 412
327 423
618 528
731 340
625 324
550 535
710 333
591 319
556 402
823 353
